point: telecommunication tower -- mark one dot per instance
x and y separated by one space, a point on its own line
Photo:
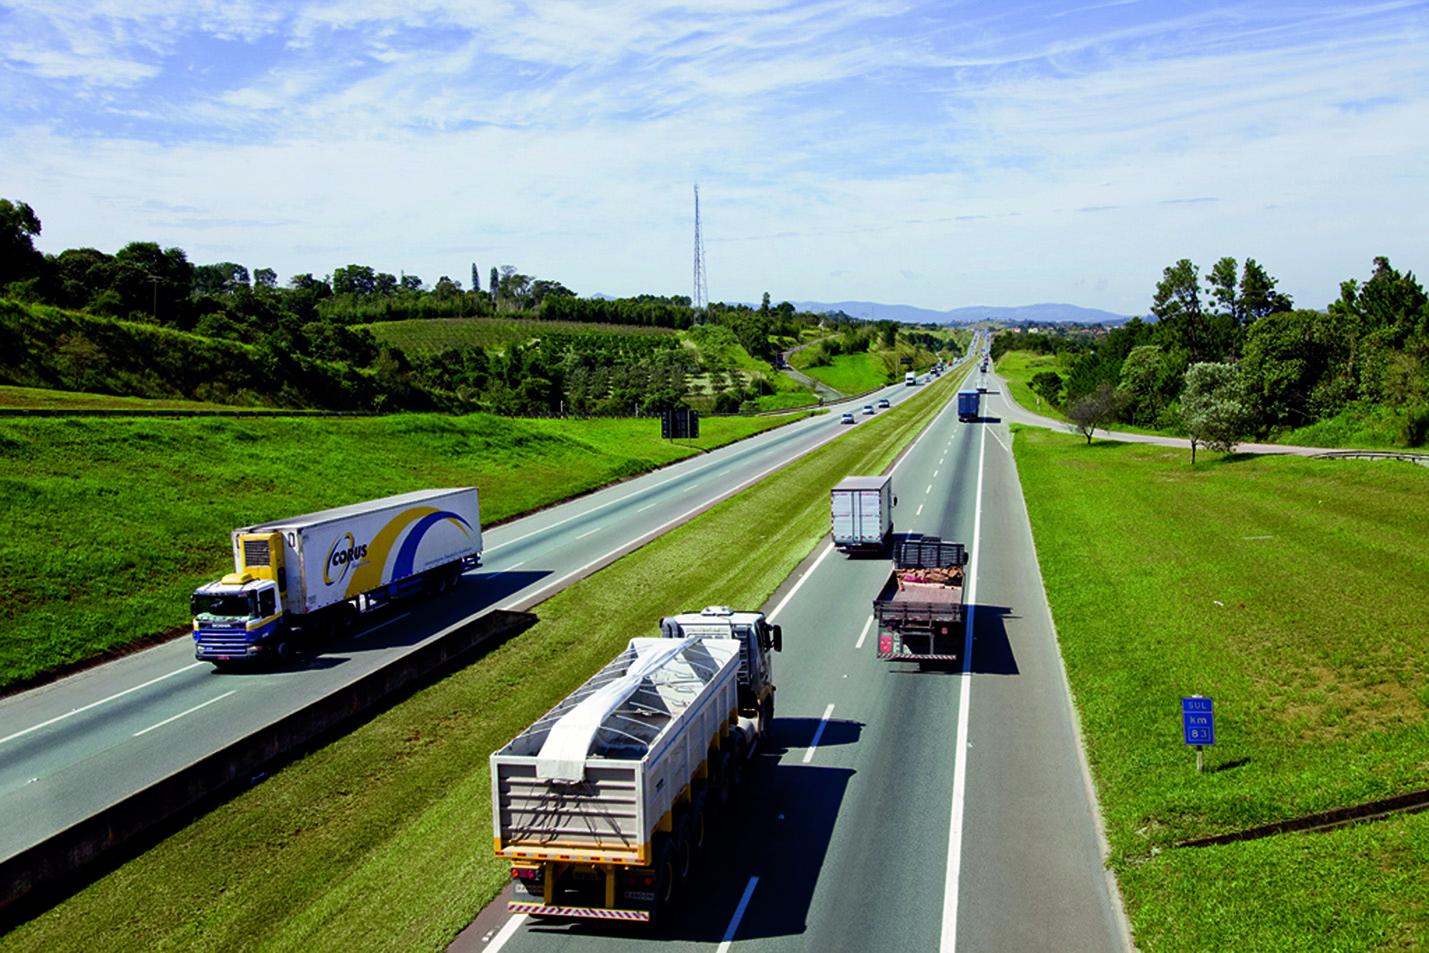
701 297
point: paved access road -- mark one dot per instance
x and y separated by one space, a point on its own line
73 747
939 810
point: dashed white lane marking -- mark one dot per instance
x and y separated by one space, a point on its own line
181 714
399 618
929 489
590 531
818 734
738 915
864 634
648 506
920 510
70 714
935 473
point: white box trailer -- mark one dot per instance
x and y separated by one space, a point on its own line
862 509
308 573
591 804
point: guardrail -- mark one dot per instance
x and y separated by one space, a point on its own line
1420 458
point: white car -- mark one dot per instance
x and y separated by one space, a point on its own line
868 408
883 404
846 419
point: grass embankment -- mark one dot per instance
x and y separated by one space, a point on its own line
40 398
381 841
1018 369
1293 592
110 524
429 336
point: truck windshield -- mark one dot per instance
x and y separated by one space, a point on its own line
226 606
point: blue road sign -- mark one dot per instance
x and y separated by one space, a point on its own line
1198 718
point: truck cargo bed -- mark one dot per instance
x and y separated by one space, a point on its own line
918 620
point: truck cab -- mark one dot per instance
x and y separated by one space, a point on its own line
910 379
758 639
237 618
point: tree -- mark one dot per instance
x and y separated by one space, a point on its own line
1177 306
475 278
1213 407
1222 284
1258 296
494 283
414 283
764 304
19 225
1096 409
1047 385
225 277
354 280
265 278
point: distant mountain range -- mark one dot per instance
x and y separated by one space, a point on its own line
1044 313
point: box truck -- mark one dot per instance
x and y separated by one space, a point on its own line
862 509
297 580
603 804
969 405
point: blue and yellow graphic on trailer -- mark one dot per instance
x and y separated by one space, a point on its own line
363 564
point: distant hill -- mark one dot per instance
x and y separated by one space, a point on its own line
1045 313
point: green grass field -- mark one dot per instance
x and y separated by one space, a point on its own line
850 373
39 398
1294 592
381 840
111 523
1019 367
432 335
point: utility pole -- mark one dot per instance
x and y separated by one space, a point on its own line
154 312
701 297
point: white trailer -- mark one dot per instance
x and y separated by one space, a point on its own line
863 513
311 574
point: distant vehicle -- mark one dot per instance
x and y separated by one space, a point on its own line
297 580
920 610
602 805
868 408
883 403
862 508
846 419
910 379
969 405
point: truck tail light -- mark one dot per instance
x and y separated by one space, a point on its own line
526 873
885 643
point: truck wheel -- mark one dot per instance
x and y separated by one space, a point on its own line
684 848
664 865
719 781
282 651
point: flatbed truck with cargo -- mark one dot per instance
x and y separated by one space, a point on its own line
603 804
298 580
920 611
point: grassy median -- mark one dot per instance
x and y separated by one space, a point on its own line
382 840
1295 593
110 524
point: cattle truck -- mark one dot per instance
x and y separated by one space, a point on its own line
603 804
969 405
920 610
862 511
297 580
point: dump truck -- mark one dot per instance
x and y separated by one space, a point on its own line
298 580
920 611
603 804
862 510
969 405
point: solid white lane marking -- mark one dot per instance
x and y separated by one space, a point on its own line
948 940
800 584
1000 443
590 531
181 714
864 634
69 714
734 920
818 734
648 506
920 510
506 933
383 625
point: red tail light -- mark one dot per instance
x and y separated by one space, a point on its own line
885 643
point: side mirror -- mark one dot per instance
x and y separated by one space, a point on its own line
778 639
895 501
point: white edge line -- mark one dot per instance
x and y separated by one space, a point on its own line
383 625
45 724
145 731
800 584
734 920
505 934
948 938
864 634
818 734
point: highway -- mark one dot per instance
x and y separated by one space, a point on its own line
73 747
900 809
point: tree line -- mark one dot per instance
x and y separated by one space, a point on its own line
1276 367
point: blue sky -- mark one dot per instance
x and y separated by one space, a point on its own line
938 154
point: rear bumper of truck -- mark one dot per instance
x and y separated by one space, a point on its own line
582 913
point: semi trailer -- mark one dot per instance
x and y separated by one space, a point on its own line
862 511
603 804
297 580
969 405
920 611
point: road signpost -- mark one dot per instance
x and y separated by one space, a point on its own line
679 424
1198 723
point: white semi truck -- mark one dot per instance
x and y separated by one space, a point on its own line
862 511
298 579
602 805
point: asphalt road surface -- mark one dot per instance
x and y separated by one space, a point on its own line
946 810
71 748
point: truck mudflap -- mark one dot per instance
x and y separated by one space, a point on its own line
590 913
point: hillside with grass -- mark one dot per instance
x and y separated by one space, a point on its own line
863 357
112 523
1293 592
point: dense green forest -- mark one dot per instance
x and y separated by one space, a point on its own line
146 321
1281 369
